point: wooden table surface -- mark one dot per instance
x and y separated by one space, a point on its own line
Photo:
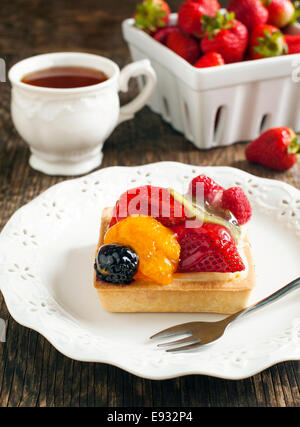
32 372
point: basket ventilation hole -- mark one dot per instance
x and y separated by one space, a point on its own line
187 120
264 123
218 124
166 107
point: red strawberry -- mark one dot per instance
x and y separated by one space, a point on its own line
210 59
151 15
190 14
236 201
209 248
277 148
250 12
281 12
267 41
225 35
162 34
150 201
203 186
185 46
293 43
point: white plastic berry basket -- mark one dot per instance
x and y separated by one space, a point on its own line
219 106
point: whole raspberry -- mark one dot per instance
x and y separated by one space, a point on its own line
236 201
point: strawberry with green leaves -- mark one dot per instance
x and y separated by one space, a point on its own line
226 35
267 41
281 12
277 149
190 15
250 12
150 15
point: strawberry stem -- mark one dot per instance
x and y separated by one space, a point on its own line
271 44
149 16
294 146
212 25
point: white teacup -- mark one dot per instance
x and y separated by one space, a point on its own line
66 128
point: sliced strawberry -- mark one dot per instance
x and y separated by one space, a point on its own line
203 186
235 200
113 220
149 201
209 248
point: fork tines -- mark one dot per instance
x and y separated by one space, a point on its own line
184 329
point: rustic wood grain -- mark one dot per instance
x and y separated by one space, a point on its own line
32 372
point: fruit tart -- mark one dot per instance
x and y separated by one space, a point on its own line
161 251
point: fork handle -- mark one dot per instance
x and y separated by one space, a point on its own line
271 298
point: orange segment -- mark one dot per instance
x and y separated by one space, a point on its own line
155 244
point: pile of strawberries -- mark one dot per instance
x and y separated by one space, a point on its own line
207 36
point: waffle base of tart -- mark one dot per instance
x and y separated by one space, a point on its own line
188 293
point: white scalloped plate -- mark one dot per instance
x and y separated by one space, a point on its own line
46 268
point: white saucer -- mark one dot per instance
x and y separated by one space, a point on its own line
46 269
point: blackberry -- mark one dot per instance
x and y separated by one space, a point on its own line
116 264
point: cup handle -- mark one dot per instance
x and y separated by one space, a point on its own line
136 69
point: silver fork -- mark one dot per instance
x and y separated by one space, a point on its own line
203 333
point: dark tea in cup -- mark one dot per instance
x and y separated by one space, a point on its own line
65 77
